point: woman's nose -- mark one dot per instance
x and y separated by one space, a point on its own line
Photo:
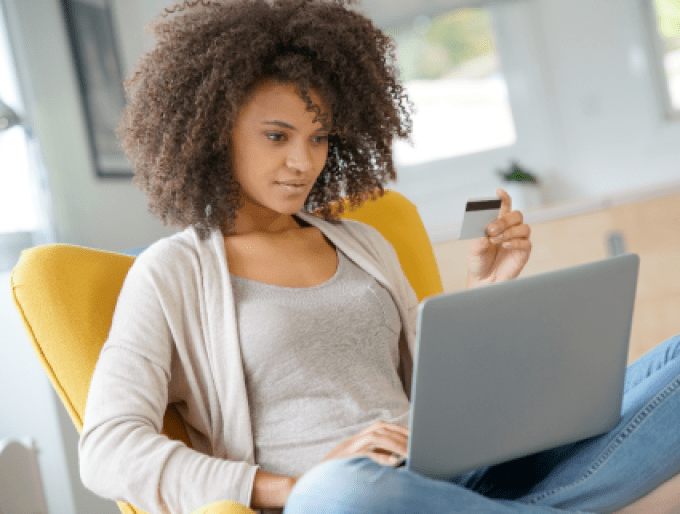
299 158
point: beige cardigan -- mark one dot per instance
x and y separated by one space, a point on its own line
174 340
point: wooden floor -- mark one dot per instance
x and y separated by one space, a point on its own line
651 229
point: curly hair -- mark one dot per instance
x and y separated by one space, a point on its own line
185 95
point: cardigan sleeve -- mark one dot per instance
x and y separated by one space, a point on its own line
123 456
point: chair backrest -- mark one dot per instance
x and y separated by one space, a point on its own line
66 296
397 219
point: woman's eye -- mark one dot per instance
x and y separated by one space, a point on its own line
276 136
320 139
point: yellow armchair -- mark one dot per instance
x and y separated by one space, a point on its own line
66 296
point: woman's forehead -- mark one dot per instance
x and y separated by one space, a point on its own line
271 97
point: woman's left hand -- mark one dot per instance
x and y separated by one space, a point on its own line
503 254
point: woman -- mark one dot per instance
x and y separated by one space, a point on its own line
284 338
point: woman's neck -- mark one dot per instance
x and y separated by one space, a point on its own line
250 219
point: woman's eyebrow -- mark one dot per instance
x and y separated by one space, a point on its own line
282 124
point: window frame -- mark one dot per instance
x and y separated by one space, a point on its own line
44 231
657 54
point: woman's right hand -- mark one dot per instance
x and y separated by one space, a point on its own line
385 443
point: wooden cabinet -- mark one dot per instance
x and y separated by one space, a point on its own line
650 228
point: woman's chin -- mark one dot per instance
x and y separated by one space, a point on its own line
290 202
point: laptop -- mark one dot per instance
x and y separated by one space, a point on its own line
514 368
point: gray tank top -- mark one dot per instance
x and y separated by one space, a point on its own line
320 364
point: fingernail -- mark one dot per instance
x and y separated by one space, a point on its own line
497 239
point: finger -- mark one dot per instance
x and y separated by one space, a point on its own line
383 442
518 244
382 437
517 232
504 222
506 202
386 459
390 442
378 425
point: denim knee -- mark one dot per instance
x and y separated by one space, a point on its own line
353 485
360 486
330 487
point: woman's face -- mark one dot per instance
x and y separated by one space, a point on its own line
278 149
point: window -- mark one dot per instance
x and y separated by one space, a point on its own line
17 211
668 28
475 77
451 70
19 225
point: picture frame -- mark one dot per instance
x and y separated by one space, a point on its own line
95 54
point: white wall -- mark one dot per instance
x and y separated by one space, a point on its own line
605 88
103 213
27 408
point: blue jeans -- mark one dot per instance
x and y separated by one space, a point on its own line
600 474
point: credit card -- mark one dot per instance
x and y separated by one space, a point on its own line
479 214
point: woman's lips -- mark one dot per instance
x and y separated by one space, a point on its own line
292 186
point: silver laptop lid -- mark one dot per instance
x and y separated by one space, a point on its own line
517 367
